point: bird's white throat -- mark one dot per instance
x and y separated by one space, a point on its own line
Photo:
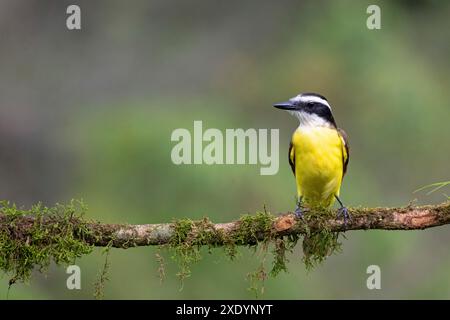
310 119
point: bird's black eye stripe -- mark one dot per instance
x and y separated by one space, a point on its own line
310 103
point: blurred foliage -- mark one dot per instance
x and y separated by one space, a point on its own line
90 114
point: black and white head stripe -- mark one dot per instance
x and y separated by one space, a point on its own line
311 97
313 110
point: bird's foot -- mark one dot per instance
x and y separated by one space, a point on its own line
343 212
299 211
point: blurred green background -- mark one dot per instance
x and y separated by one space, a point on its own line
89 114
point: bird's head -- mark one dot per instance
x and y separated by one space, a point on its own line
311 109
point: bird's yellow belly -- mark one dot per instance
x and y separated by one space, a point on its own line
318 165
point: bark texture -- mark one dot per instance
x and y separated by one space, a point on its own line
125 235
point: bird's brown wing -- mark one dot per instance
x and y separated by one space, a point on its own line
345 151
291 157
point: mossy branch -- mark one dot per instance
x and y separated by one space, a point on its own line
206 233
36 237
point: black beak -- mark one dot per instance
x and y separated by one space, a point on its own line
285 105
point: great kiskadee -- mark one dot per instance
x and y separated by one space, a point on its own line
318 153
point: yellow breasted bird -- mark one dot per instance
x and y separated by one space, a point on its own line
318 153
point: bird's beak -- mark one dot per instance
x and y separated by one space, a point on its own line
285 105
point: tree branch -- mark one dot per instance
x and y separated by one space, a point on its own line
125 235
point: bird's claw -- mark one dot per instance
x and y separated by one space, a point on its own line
343 211
299 212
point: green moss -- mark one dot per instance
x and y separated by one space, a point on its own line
255 231
258 277
187 240
320 242
161 265
279 258
183 252
318 245
32 239
254 228
99 284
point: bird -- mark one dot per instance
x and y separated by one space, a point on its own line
318 153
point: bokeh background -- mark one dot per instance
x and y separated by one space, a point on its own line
89 114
